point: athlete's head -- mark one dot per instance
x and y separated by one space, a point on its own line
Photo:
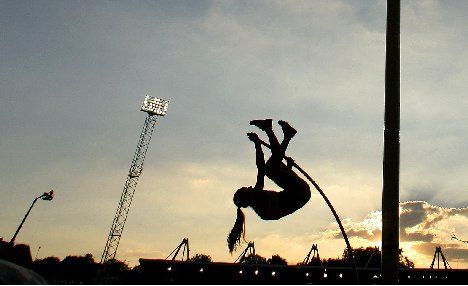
243 197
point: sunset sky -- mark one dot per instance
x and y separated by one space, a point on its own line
73 75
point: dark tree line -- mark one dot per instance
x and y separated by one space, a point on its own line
258 259
80 269
200 258
364 257
72 269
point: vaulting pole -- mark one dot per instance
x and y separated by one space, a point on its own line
391 160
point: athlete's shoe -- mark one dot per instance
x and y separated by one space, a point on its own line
263 124
253 137
288 130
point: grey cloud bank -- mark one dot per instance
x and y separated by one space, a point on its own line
422 224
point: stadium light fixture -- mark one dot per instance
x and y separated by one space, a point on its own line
155 106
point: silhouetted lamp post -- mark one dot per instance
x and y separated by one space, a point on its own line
46 197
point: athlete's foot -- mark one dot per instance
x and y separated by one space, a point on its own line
253 137
288 130
263 124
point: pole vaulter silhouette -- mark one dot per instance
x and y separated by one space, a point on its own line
271 205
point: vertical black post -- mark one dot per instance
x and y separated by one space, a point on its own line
391 160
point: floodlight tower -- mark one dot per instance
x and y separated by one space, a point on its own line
154 107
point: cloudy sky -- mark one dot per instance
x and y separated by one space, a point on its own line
73 75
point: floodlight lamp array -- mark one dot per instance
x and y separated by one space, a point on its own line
47 196
155 106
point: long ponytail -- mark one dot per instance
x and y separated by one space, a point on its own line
238 231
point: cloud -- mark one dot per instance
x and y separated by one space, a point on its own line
413 212
369 228
134 254
419 219
423 226
415 236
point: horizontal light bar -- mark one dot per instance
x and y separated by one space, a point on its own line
155 106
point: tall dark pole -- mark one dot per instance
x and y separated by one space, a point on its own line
391 160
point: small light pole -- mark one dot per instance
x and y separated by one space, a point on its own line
46 197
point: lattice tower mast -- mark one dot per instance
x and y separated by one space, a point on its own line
154 107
